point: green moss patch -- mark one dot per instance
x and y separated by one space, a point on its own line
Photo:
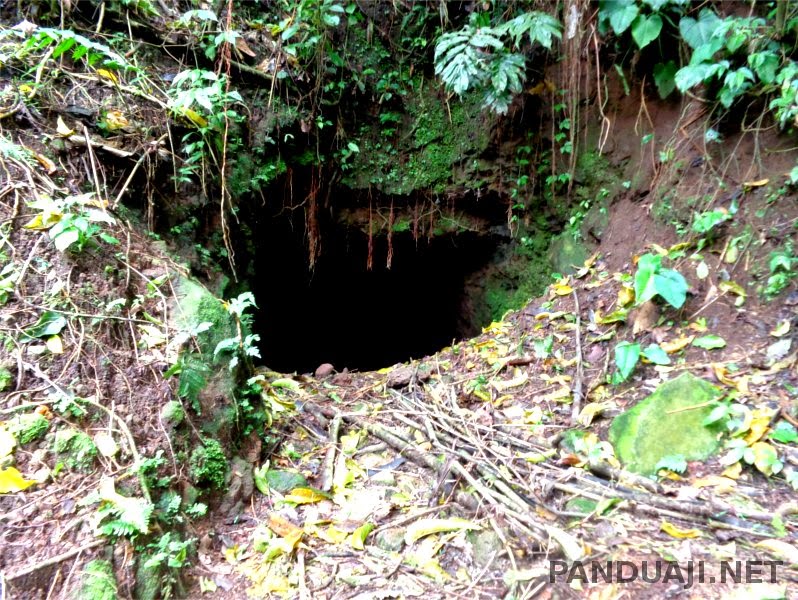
668 422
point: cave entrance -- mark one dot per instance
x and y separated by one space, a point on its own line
346 314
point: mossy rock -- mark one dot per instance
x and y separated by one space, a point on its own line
98 581
566 253
668 422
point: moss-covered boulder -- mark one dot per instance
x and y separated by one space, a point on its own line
669 422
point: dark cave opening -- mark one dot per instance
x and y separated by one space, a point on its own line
354 317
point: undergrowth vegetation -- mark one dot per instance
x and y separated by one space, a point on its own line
190 137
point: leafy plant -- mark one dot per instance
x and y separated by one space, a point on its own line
242 346
99 582
627 355
479 56
782 270
77 447
72 222
652 280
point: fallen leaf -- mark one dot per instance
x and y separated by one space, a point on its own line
780 549
62 129
681 534
106 74
54 344
305 496
426 527
359 535
678 344
731 287
757 183
12 481
782 329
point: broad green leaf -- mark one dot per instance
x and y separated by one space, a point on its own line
664 78
672 286
765 65
646 29
697 32
280 481
620 13
657 355
50 323
709 342
647 266
706 221
66 238
626 356
785 433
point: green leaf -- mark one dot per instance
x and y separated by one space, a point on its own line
672 286
720 412
50 323
784 432
626 356
657 355
705 221
699 32
647 266
765 65
66 238
664 78
672 462
709 342
620 13
646 29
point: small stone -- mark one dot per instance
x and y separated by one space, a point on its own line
172 413
390 540
486 546
324 370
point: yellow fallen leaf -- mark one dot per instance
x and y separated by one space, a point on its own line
677 344
626 295
45 162
43 221
731 287
358 538
561 288
733 471
106 74
115 120
426 527
516 381
679 247
757 183
332 535
681 534
62 129
780 549
721 484
760 423
698 326
282 526
782 329
305 496
12 481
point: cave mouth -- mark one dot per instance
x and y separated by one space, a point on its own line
343 313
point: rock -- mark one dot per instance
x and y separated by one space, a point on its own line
240 486
402 376
390 540
172 414
98 581
486 546
148 579
324 370
668 422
